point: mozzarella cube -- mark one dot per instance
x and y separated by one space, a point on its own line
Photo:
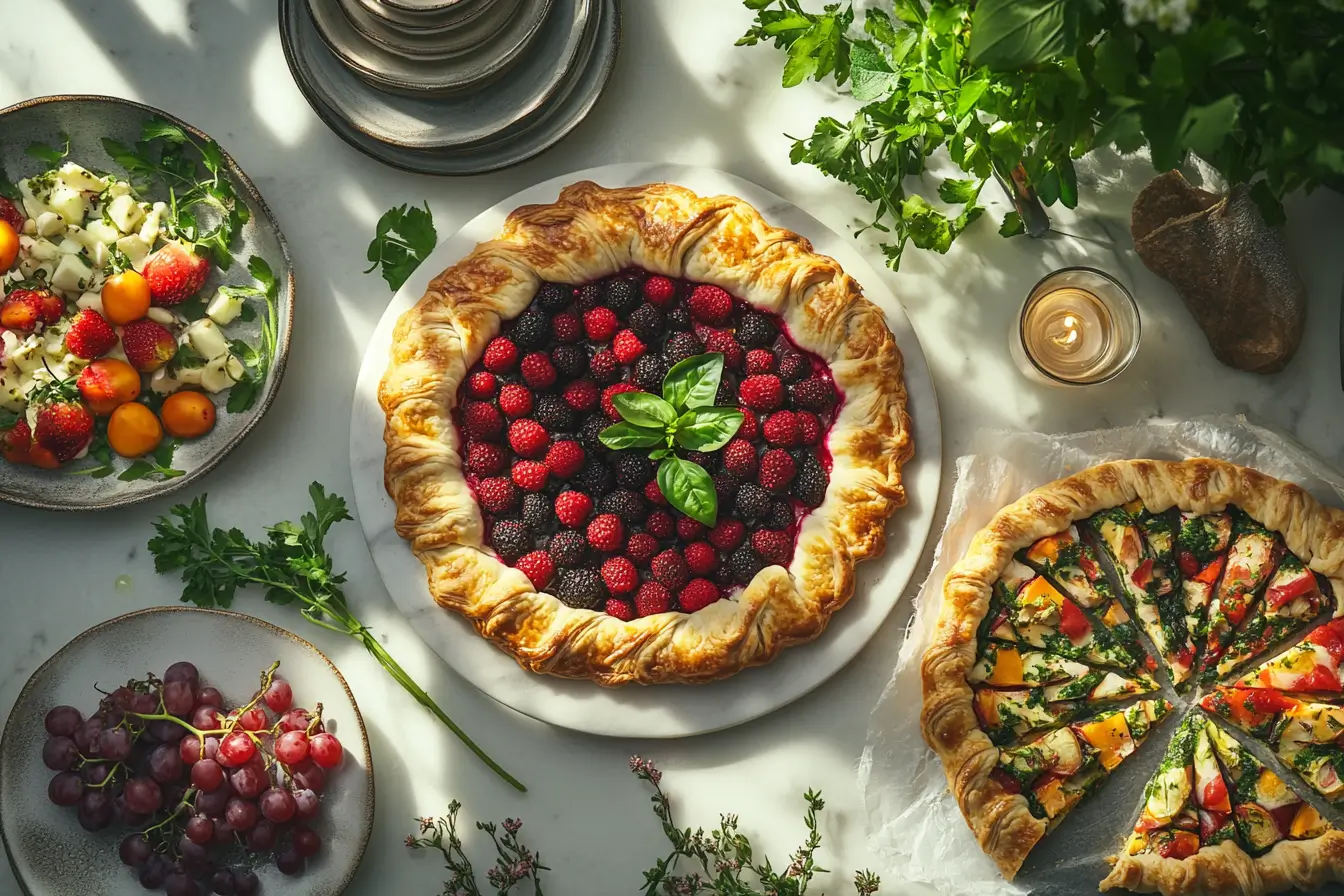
78 178
28 356
207 338
224 308
44 250
29 227
215 375
102 232
135 249
70 245
126 213
70 204
71 274
163 316
149 230
49 224
119 188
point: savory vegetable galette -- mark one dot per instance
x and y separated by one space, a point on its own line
1031 682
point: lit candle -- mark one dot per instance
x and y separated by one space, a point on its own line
1078 326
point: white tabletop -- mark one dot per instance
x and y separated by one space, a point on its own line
681 92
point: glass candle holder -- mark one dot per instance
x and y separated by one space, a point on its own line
1078 327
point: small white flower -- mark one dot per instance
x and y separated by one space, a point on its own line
1169 15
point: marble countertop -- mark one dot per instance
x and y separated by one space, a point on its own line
680 92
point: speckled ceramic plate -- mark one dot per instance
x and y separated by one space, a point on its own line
424 15
463 38
442 123
573 101
53 856
88 119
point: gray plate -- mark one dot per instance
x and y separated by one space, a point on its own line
499 42
88 119
462 38
52 855
528 138
434 124
424 15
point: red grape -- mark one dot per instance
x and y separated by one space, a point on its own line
305 804
122 697
236 749
115 744
209 697
183 671
249 781
262 836
200 829
65 789
213 804
60 752
309 776
277 805
223 831
295 720
63 721
325 750
279 696
222 883
165 765
135 850
253 720
207 775
142 796
206 718
145 704
241 814
291 748
189 748
179 698
306 841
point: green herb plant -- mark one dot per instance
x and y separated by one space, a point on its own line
1020 89
684 417
404 236
292 566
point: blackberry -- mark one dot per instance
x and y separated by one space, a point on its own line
538 513
622 295
793 367
590 432
743 564
755 330
580 588
727 394
633 469
594 478
648 322
590 296
552 297
552 413
532 329
567 548
810 482
725 486
710 462
570 360
679 319
753 502
627 505
780 516
510 539
649 373
682 346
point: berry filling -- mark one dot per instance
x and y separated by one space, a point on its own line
591 524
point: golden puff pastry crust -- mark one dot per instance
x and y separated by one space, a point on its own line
1305 865
1002 822
588 233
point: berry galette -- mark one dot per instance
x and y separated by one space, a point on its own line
643 436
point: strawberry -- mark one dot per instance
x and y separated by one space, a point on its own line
21 311
739 457
564 459
537 370
148 345
497 494
500 355
515 400
652 599
582 395
479 419
701 557
697 595
485 458
627 347
777 470
619 575
641 547
781 428
566 328
528 437
727 535
17 442
90 335
10 214
670 569
610 392
600 323
481 384
774 547
572 508
538 567
606 532
710 305
660 525
64 423
760 360
620 609
530 475
174 273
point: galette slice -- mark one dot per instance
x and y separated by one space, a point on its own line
1251 562
1201 554
1304 735
1291 600
1309 667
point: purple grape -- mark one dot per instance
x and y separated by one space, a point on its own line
95 772
214 803
241 814
63 721
249 781
95 810
245 882
124 816
306 841
308 775
167 732
262 836
200 829
153 873
135 850
223 831
59 753
207 776
182 671
305 804
289 862
210 697
179 697
115 744
205 718
277 805
142 796
181 885
222 883
65 789
191 850
145 704
165 764
86 736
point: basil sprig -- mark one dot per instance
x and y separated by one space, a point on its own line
684 417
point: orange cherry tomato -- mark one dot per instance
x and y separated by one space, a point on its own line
187 415
107 384
125 297
9 246
133 430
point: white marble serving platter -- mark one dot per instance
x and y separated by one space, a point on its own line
665 711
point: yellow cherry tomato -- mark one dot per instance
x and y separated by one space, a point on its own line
9 246
133 430
125 297
187 415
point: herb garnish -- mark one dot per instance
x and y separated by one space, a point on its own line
683 418
256 359
50 154
293 566
158 465
405 235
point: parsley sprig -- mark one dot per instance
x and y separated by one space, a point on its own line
293 567
50 154
256 359
157 465
404 236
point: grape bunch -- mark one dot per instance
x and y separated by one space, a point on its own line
199 785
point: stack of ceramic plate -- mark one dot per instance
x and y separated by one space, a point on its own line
451 86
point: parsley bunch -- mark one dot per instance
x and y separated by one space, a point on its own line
294 568
1018 89
404 236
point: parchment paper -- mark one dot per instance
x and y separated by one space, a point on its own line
915 827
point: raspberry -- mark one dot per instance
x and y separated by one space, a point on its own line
780 516
600 323
710 305
497 494
701 558
743 564
537 370
793 367
531 330
604 368
641 547
727 535
689 529
660 290
594 478
660 525
809 427
582 395
566 328
564 459
481 420
756 329
725 486
752 502
627 347
777 469
760 360
620 575
529 475
570 360
510 539
485 458
590 434
724 343
481 384
670 569
528 437
633 469
652 599
814 393
809 486
699 594
515 400
647 322
567 549
650 371
538 514
620 609
580 588
682 346
749 428
622 295
606 532
610 409
774 547
500 355
572 508
739 457
781 428
538 567
761 393
625 504
653 493
553 296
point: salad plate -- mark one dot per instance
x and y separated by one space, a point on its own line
50 853
45 144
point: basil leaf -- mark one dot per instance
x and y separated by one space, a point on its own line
709 429
660 454
694 382
627 435
688 488
643 409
